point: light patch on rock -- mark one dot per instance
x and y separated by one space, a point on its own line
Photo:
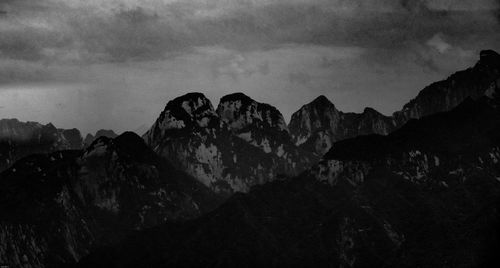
108 202
246 136
186 107
171 122
100 149
266 147
393 235
238 185
280 152
302 139
331 171
203 122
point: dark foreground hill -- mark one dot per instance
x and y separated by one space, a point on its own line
55 208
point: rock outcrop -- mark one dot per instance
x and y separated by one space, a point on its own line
89 139
317 125
241 144
20 139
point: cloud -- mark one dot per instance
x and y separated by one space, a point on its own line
12 71
300 78
113 31
39 39
225 62
438 43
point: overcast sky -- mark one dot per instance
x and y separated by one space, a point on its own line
95 64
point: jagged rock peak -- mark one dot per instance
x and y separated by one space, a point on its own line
127 145
89 139
370 110
13 128
192 108
106 132
240 111
321 100
446 94
488 53
73 138
237 96
489 58
190 112
191 104
132 144
318 105
319 114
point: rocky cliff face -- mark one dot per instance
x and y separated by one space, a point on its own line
483 78
55 208
240 112
89 139
19 139
241 144
425 195
317 125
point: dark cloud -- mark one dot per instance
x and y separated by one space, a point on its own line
134 34
140 33
21 72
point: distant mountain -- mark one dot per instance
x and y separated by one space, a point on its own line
241 144
142 129
426 195
483 78
19 139
89 139
57 207
317 125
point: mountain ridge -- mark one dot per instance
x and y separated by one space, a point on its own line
410 207
240 144
19 139
318 124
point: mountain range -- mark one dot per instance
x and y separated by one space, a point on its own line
317 125
235 185
418 197
20 139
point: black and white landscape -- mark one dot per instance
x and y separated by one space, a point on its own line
254 180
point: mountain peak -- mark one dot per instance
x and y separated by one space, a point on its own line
186 110
189 104
319 118
89 139
239 111
321 99
235 97
489 58
488 53
370 110
127 145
